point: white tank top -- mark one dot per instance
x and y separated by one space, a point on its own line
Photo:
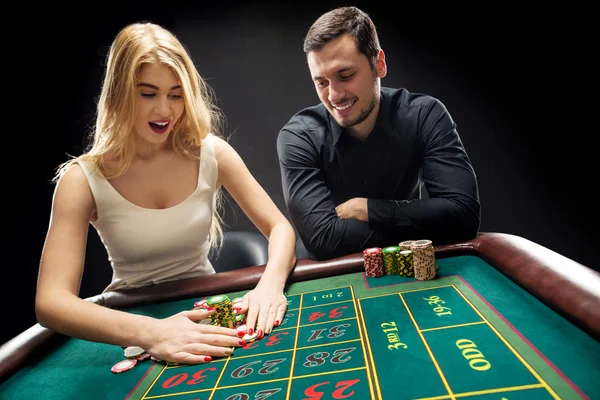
147 246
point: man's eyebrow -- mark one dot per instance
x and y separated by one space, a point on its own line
148 85
339 71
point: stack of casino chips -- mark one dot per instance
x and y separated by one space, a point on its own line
404 259
373 259
424 259
226 314
406 245
223 314
410 258
226 311
390 261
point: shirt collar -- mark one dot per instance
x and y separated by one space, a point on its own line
383 120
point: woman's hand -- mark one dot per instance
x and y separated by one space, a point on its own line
264 307
180 339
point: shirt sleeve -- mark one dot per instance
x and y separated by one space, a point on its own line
452 211
310 204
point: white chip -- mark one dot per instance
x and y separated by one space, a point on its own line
250 338
133 351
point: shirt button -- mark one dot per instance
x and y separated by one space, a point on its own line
365 182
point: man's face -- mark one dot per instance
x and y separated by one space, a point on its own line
345 82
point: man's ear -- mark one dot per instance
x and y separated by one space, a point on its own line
380 64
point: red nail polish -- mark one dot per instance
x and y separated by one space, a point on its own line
242 343
241 334
277 323
250 331
207 358
210 309
259 333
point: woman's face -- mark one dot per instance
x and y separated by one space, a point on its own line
159 103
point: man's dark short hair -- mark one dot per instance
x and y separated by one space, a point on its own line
341 21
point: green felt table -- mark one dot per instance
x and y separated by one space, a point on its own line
477 330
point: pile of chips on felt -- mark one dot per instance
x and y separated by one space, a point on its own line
225 314
410 258
133 356
423 259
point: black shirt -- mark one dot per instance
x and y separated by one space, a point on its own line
414 142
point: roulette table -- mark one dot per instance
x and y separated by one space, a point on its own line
504 318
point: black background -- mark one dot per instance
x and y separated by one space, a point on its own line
516 82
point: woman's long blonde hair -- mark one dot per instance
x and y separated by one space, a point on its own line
112 138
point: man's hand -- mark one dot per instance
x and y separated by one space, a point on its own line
354 208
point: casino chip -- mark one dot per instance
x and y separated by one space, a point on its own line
237 300
239 319
143 357
406 244
405 263
250 338
133 351
224 315
373 262
200 304
424 261
124 365
390 260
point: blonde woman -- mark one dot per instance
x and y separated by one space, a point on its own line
150 185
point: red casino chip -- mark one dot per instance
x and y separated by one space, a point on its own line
123 366
201 304
143 357
373 258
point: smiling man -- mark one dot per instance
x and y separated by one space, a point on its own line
353 167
